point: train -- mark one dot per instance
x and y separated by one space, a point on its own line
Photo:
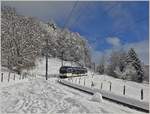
68 71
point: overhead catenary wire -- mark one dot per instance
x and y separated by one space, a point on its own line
70 14
79 16
65 25
129 26
87 8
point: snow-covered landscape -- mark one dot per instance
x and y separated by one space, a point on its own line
133 89
74 57
36 95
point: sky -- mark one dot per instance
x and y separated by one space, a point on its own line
107 25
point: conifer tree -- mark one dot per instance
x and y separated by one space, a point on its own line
133 59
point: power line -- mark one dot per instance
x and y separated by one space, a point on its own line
79 16
65 25
87 8
129 26
109 9
70 14
125 28
106 12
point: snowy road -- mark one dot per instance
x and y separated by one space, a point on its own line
41 96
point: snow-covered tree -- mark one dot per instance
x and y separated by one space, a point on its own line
20 40
24 38
101 65
136 63
122 60
117 61
129 73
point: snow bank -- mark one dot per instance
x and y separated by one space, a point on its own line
97 97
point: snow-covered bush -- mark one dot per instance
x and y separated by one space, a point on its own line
129 73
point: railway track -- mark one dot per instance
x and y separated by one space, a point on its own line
132 103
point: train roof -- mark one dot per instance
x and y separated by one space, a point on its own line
66 67
73 67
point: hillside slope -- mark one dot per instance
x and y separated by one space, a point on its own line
40 96
26 38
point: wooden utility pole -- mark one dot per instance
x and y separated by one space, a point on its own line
1 77
62 64
46 59
54 28
124 90
94 66
141 94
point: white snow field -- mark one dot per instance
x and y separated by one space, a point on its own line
36 95
132 89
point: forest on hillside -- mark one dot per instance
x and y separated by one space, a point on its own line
24 39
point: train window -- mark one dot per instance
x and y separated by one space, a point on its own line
73 70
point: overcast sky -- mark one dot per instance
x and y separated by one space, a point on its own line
106 25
